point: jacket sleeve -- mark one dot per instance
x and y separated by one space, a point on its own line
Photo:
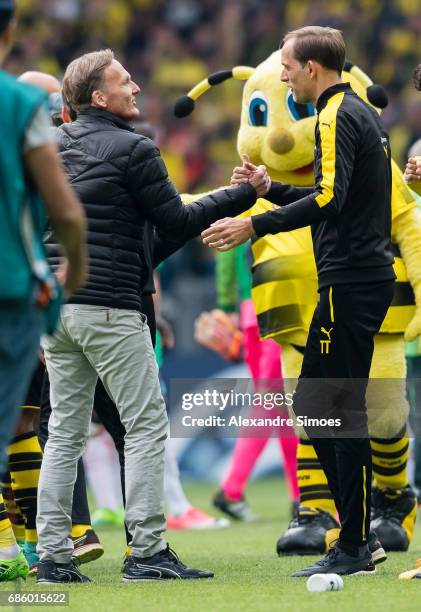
283 194
159 202
165 245
334 167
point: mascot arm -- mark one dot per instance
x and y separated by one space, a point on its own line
407 234
188 198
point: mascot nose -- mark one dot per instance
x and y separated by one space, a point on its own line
280 140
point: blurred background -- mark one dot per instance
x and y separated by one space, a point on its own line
170 45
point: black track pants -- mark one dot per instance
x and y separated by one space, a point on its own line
338 355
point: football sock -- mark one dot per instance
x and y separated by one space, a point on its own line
13 512
312 482
25 458
8 547
390 458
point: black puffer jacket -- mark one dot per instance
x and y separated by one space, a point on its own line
122 181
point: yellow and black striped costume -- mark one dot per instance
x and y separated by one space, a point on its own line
20 483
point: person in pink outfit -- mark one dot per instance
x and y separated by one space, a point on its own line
263 358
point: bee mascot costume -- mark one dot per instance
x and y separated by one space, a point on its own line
279 133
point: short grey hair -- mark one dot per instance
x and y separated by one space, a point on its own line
83 76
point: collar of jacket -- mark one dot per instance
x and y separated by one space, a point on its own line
329 92
105 116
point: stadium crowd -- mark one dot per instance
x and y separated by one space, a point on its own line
170 45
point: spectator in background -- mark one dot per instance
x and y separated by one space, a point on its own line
52 86
28 295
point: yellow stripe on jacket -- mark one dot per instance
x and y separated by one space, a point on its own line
327 131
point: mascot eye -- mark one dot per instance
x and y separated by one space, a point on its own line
258 109
299 111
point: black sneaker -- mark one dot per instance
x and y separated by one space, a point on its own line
162 566
238 510
338 561
87 547
59 573
375 547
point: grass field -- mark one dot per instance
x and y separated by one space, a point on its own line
248 574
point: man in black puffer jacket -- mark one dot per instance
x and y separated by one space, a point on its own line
122 182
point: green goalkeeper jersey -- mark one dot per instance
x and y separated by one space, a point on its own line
233 277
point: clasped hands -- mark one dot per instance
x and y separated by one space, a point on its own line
227 233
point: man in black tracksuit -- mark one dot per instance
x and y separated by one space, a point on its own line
349 211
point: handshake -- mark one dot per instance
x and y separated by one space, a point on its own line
228 233
255 175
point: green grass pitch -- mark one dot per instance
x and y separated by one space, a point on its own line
248 574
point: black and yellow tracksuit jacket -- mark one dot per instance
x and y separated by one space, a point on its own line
349 209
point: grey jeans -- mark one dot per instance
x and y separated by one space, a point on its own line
115 345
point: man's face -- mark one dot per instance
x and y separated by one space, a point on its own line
296 76
119 92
